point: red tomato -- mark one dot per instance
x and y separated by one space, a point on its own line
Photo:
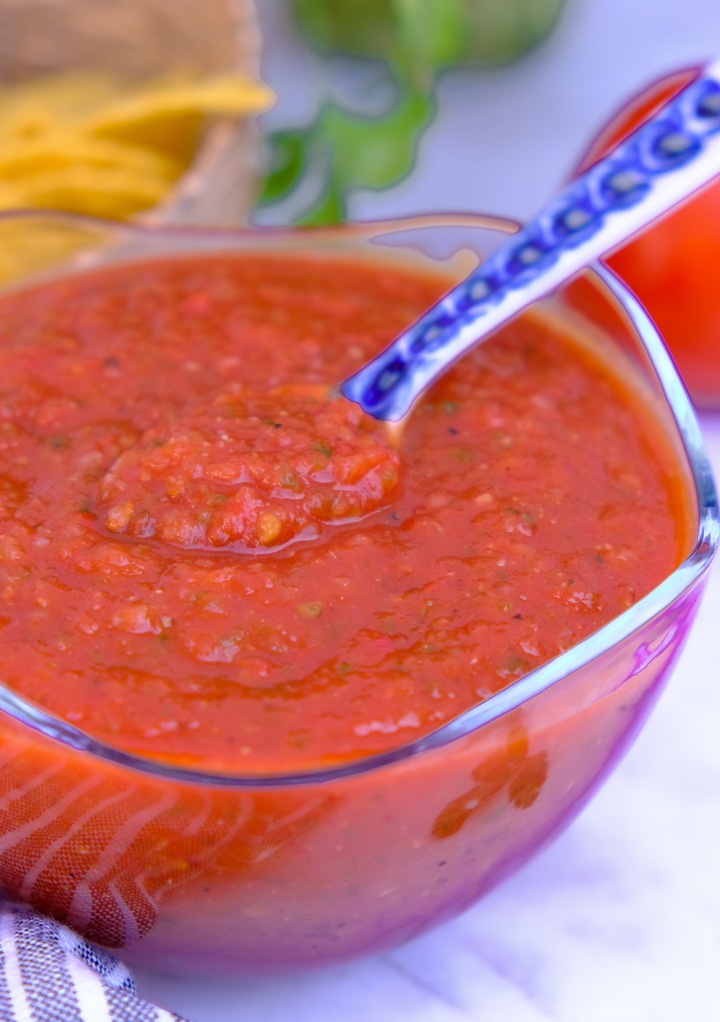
672 266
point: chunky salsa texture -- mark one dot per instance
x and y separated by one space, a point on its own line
206 557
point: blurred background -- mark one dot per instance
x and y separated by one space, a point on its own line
503 137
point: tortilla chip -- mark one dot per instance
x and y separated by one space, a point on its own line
89 143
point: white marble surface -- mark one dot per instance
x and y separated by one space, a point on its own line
620 918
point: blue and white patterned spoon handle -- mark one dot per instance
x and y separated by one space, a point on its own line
656 167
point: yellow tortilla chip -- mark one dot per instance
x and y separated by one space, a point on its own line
115 194
10 197
28 247
57 150
169 117
31 108
89 143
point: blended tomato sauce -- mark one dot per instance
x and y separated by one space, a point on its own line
207 558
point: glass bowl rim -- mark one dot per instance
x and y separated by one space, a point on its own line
530 685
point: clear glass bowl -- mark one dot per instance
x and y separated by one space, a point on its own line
191 872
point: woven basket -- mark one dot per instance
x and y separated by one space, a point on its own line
141 38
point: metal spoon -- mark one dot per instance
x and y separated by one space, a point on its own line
659 165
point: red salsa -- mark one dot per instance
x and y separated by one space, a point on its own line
207 558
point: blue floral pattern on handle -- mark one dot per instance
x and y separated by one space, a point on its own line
657 166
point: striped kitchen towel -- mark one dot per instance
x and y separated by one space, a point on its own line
49 974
